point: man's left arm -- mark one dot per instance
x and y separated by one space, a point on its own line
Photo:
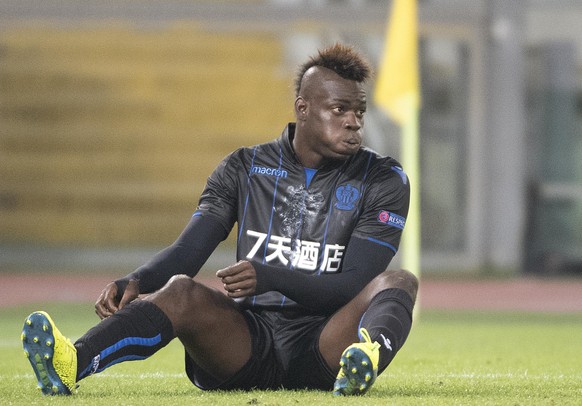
327 292
323 293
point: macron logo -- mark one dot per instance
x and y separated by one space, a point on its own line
95 364
263 170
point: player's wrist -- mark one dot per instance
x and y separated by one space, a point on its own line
266 278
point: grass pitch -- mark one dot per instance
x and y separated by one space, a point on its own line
451 358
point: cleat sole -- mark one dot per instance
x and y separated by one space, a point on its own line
40 353
358 374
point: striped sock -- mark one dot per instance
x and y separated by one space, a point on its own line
133 333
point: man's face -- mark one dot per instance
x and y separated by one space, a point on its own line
331 114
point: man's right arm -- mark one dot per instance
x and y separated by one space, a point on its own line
185 256
210 224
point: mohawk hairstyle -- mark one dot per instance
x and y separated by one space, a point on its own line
341 59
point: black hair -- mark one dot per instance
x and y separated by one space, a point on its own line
341 59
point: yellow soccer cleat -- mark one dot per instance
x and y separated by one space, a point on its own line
53 357
358 367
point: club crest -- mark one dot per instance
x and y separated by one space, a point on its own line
346 196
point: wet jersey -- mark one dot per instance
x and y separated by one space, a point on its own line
301 219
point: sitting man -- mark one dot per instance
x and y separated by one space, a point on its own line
310 302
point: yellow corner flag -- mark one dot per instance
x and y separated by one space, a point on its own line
397 88
397 93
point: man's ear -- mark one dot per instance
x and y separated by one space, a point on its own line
300 108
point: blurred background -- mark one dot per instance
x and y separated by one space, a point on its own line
113 114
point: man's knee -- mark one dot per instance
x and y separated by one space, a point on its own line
179 286
176 295
397 278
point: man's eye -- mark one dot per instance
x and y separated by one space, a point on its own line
338 109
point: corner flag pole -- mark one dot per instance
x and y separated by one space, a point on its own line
397 93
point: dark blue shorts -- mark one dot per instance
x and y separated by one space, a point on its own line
285 355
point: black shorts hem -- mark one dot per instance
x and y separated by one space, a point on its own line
241 380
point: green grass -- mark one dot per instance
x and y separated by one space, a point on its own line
451 358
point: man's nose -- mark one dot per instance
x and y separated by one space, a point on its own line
353 122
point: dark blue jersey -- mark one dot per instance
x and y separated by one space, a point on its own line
295 218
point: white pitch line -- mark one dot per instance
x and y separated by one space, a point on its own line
153 375
162 375
524 374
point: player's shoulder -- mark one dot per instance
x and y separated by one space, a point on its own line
246 152
383 168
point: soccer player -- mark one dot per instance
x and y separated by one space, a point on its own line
310 302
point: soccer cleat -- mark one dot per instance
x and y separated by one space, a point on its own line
53 357
358 367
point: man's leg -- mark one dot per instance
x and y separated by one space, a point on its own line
183 309
384 310
210 325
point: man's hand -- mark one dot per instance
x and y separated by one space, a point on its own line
239 280
107 304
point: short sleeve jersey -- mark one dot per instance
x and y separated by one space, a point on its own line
292 217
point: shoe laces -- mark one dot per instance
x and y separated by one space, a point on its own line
366 339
